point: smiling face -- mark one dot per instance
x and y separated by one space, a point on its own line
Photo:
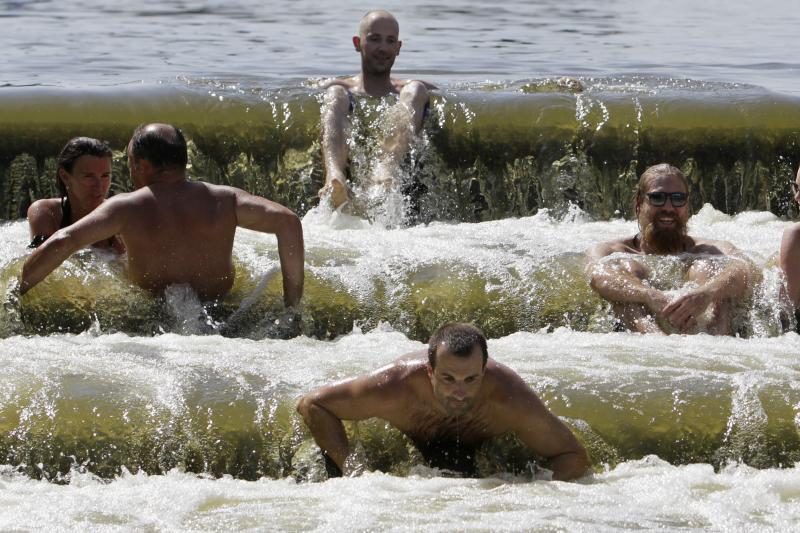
378 42
456 379
88 182
663 227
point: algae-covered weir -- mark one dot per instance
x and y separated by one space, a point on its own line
223 406
488 152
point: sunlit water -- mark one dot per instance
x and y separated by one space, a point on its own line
121 404
633 395
96 43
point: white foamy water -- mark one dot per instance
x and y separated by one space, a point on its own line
634 393
646 494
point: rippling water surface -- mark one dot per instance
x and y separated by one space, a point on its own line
107 425
86 43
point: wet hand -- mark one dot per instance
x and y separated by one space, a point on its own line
683 311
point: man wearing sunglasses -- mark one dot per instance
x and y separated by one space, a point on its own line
696 290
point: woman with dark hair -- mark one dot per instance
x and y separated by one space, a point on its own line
83 178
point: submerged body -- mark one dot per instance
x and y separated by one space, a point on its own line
378 44
454 398
176 230
716 287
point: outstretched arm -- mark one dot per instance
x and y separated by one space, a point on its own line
259 214
102 223
373 395
541 431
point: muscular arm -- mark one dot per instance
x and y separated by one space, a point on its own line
542 432
621 281
102 223
374 395
260 214
790 261
731 282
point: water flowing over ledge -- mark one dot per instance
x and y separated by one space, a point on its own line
488 152
218 406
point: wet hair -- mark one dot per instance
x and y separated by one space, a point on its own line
75 148
163 145
460 340
662 169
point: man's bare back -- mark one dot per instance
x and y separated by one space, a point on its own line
162 227
176 230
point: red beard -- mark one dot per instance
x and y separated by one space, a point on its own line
665 241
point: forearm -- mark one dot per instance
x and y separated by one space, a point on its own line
44 260
292 257
622 288
734 282
327 430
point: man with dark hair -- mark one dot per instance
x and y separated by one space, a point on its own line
714 275
447 405
378 43
176 230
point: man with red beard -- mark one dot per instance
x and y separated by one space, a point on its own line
379 44
716 275
448 400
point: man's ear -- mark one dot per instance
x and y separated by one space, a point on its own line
429 369
357 43
399 46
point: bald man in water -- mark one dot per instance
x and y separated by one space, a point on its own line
448 401
176 231
378 43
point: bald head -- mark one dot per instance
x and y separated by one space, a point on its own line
163 145
374 17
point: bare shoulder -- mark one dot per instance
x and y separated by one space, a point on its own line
609 247
791 235
349 82
399 84
505 386
45 207
44 216
409 368
713 247
790 247
219 191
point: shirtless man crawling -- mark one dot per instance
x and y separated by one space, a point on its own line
379 44
718 275
176 230
454 393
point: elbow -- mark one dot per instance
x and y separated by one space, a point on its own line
303 406
306 406
290 229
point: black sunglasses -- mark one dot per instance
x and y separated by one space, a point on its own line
658 199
